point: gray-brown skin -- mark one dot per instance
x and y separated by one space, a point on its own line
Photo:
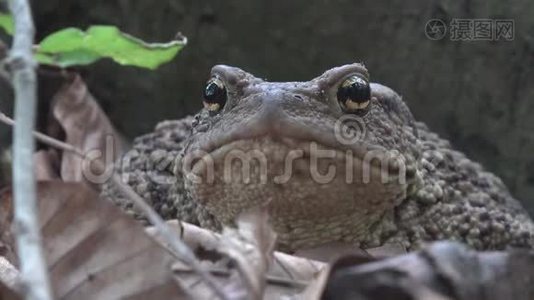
445 195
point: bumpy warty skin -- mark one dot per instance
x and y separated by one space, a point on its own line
445 196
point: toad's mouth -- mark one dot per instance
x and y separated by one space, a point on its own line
277 159
278 146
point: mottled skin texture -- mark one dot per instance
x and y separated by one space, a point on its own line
445 195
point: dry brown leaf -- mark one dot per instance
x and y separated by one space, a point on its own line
44 163
94 251
287 276
7 294
87 128
6 218
316 287
251 247
331 252
387 250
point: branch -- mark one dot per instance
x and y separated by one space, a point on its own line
32 264
177 246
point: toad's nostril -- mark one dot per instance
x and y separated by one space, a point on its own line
297 97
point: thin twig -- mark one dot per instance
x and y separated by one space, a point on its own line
45 139
22 65
177 246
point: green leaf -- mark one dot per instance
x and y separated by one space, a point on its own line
72 46
6 22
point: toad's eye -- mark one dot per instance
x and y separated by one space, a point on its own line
354 94
214 95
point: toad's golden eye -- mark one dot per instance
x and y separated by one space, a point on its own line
214 95
354 94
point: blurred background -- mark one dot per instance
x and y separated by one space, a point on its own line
479 94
